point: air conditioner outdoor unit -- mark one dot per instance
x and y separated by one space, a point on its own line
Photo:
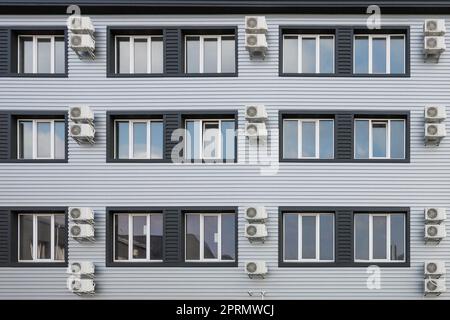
79 24
435 113
256 269
256 130
434 132
255 112
434 27
435 232
81 231
81 214
81 113
434 286
434 269
257 232
255 213
255 24
256 43
82 132
434 44
80 286
81 268
82 42
436 215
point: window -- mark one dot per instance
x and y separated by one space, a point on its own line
41 54
379 139
138 237
139 54
308 237
210 237
138 139
308 53
210 54
41 139
210 139
308 138
379 54
379 237
42 237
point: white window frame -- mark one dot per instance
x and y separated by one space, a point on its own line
388 138
130 237
317 137
35 237
299 232
35 138
131 52
202 50
131 137
300 53
387 37
35 52
202 237
388 238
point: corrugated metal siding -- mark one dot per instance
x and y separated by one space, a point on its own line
88 180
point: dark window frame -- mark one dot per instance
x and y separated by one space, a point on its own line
13 236
334 210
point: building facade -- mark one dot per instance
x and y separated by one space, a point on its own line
345 174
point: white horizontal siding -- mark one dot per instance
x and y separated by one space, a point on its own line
87 180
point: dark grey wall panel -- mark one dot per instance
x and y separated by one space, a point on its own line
344 136
172 235
344 236
4 237
4 136
344 51
4 52
172 51
172 121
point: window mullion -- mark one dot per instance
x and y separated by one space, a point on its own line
52 237
219 237
317 54
202 234
35 53
299 137
388 54
388 237
370 237
317 140
149 156
131 54
130 134
200 138
201 55
52 55
317 237
148 229
370 140
388 139
35 256
52 139
219 141
300 234
130 237
34 139
300 55
149 54
219 54
369 41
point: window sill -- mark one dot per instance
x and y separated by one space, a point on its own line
171 264
380 75
136 75
347 160
217 75
38 75
322 75
35 161
283 264
110 160
38 264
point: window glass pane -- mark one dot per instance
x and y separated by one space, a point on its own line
140 237
362 236
26 140
192 237
210 237
140 56
397 237
290 54
308 139
60 236
44 240
228 54
26 55
210 139
397 139
308 55
308 237
326 54
192 54
397 54
326 137
60 55
210 55
361 55
156 136
379 134
157 55
361 139
291 236
228 237
156 237
60 140
379 237
123 54
193 143
326 236
43 139
379 55
121 236
26 237
44 55
139 140
290 139
122 139
228 140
